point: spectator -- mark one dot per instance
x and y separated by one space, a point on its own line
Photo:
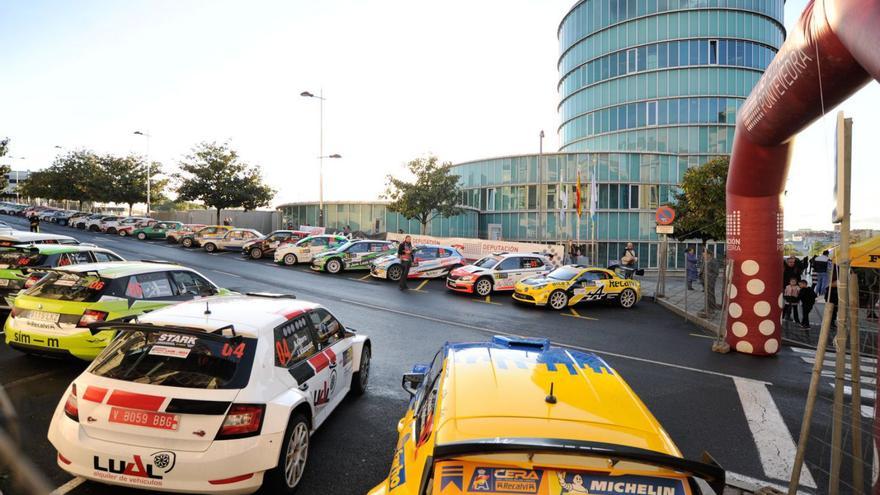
35 222
791 269
807 298
629 259
692 270
712 269
820 268
227 221
346 231
404 252
790 294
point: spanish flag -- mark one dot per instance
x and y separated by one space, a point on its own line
577 196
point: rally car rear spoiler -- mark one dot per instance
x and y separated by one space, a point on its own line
216 334
709 471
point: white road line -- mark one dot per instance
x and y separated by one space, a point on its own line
741 478
227 273
571 346
831 364
867 412
866 394
867 380
831 355
70 485
776 448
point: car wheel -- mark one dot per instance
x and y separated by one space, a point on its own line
187 243
627 298
333 266
210 247
285 477
395 272
483 287
558 300
142 236
289 259
256 253
93 228
123 233
111 230
360 378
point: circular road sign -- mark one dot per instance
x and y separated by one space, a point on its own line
665 215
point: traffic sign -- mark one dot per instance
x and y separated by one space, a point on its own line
665 229
665 215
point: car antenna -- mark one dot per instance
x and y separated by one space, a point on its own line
550 399
207 307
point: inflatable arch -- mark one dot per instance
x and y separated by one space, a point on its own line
832 51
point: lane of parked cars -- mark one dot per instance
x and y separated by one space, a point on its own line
194 388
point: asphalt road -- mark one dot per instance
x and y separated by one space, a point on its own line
706 401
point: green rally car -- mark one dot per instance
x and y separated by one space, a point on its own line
51 317
156 230
17 263
353 255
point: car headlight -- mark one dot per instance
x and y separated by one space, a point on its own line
467 278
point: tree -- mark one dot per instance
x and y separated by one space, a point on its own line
4 169
700 206
789 250
214 175
124 180
4 146
434 192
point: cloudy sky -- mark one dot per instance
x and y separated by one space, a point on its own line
459 79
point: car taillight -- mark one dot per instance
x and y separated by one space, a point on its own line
71 409
90 316
242 420
33 279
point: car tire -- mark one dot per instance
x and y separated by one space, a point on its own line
289 259
111 230
558 300
93 228
483 287
333 266
627 298
210 247
123 233
187 243
256 253
361 377
142 236
394 273
292 459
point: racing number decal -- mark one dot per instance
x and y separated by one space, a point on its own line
238 350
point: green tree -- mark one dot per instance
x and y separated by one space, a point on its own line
75 176
124 180
4 169
214 175
700 206
434 192
4 146
789 250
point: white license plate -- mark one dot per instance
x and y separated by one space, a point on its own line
44 316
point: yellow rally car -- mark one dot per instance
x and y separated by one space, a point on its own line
572 284
519 416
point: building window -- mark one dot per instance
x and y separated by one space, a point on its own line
633 197
713 52
651 108
632 60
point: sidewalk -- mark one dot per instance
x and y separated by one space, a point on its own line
690 305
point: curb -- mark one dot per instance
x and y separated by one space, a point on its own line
711 327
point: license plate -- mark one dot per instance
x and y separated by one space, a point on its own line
162 421
43 316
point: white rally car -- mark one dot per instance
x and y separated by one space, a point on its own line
216 395
430 261
500 271
305 249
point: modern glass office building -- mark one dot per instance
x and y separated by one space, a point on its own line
374 217
648 88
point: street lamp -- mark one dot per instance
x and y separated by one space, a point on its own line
321 156
147 135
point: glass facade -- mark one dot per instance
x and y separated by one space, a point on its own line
375 218
648 89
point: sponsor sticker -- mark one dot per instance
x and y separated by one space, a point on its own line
169 351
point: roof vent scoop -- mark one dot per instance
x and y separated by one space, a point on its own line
522 343
550 399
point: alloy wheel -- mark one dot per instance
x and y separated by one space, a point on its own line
297 454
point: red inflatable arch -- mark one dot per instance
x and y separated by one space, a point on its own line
833 50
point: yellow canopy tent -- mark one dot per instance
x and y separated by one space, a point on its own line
865 254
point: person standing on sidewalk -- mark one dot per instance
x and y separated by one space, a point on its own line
692 270
820 268
807 297
629 260
404 252
35 222
790 294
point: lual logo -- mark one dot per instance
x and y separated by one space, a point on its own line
156 466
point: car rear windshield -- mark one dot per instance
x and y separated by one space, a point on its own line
18 259
177 359
69 286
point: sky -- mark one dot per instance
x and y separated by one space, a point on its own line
458 79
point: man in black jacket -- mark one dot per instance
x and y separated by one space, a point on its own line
404 252
807 297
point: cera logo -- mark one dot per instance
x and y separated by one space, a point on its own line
516 474
154 467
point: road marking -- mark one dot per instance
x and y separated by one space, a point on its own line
419 288
866 394
362 280
227 273
575 314
70 485
776 448
867 412
488 300
830 363
570 346
741 478
32 378
867 380
702 335
365 277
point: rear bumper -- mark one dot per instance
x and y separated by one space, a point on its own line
459 286
82 345
189 472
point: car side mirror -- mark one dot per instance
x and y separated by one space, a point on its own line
413 380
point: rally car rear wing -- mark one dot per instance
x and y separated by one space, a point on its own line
709 471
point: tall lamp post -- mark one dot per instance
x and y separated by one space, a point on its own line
149 166
320 97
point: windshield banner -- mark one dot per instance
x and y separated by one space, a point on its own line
460 478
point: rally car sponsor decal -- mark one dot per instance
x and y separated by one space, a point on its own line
397 476
576 483
148 471
555 360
